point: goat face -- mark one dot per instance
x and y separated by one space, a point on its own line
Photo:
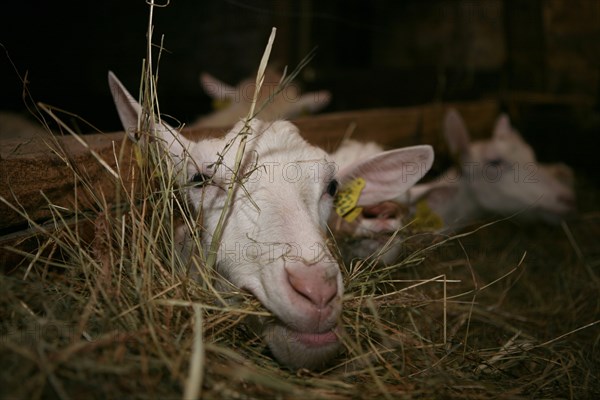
382 213
502 173
273 241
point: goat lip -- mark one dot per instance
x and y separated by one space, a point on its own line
314 339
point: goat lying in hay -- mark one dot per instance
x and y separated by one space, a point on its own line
280 102
273 240
497 177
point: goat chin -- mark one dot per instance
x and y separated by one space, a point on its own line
297 349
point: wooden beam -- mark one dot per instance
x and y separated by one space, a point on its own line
40 170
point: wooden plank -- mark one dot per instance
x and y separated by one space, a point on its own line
396 127
45 165
28 168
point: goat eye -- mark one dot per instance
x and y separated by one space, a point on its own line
199 179
332 188
496 162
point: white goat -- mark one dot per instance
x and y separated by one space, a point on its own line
499 176
367 234
286 104
273 243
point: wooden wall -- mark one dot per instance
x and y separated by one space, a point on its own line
382 53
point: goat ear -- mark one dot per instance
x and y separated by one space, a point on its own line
128 108
312 102
129 111
388 175
502 127
215 88
456 133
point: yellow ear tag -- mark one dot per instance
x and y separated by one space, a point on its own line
347 198
219 104
138 155
426 219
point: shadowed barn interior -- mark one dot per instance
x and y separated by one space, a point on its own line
94 302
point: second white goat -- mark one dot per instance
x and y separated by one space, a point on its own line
499 176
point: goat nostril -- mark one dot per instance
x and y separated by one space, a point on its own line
567 200
315 289
384 210
369 214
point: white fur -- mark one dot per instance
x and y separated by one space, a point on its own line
289 103
273 243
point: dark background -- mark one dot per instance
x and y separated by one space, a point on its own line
541 58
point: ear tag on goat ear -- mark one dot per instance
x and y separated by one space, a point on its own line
219 104
347 198
426 219
138 155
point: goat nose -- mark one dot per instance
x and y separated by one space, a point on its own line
314 284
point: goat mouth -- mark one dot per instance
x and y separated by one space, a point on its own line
294 349
313 339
